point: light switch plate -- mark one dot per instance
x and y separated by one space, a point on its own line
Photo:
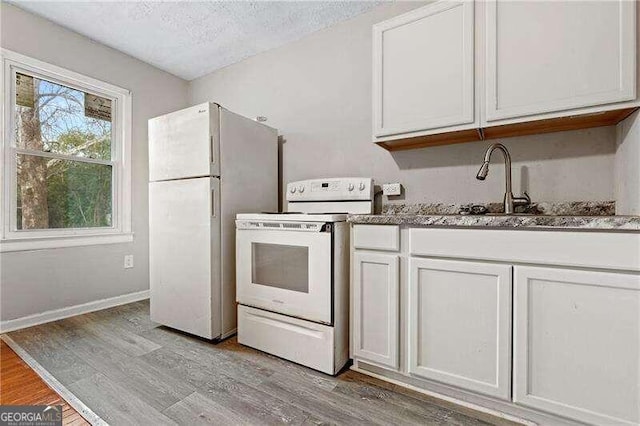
391 189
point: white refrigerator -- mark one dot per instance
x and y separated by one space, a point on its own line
205 165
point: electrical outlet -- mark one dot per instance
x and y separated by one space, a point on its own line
128 261
391 189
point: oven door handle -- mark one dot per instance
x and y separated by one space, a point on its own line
258 225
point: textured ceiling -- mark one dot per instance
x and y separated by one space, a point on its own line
192 38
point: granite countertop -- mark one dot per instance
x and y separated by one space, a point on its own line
573 215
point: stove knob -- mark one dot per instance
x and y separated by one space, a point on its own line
350 187
361 186
301 189
292 190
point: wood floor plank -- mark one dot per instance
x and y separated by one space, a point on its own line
419 399
328 410
153 385
196 409
127 368
255 407
20 385
131 316
49 347
127 341
258 360
372 411
207 354
116 404
380 403
246 401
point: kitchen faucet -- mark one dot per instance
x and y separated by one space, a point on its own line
510 202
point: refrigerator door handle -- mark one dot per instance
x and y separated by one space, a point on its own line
213 203
211 148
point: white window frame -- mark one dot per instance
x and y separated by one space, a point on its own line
12 239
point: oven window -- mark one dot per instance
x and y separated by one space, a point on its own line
281 266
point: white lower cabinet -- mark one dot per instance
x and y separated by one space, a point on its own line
547 331
375 308
577 344
460 324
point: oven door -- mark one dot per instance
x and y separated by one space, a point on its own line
284 270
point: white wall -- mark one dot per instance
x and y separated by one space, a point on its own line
317 92
35 281
627 166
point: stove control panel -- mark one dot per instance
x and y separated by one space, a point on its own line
332 189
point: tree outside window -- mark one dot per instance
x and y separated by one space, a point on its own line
63 156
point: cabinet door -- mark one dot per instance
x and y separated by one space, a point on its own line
546 56
423 69
460 324
577 344
376 288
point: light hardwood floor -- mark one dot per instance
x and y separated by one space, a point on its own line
129 370
20 385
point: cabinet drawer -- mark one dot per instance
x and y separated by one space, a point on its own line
376 237
606 250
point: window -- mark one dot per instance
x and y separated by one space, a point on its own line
66 151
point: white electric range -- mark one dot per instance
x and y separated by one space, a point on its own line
292 273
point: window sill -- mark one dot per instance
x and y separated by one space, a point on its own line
26 244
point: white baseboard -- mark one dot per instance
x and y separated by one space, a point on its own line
70 311
498 408
446 398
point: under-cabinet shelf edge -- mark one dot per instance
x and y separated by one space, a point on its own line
551 125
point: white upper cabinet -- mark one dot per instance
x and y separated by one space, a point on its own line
545 57
423 71
457 71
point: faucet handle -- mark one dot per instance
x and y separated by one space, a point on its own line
524 200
